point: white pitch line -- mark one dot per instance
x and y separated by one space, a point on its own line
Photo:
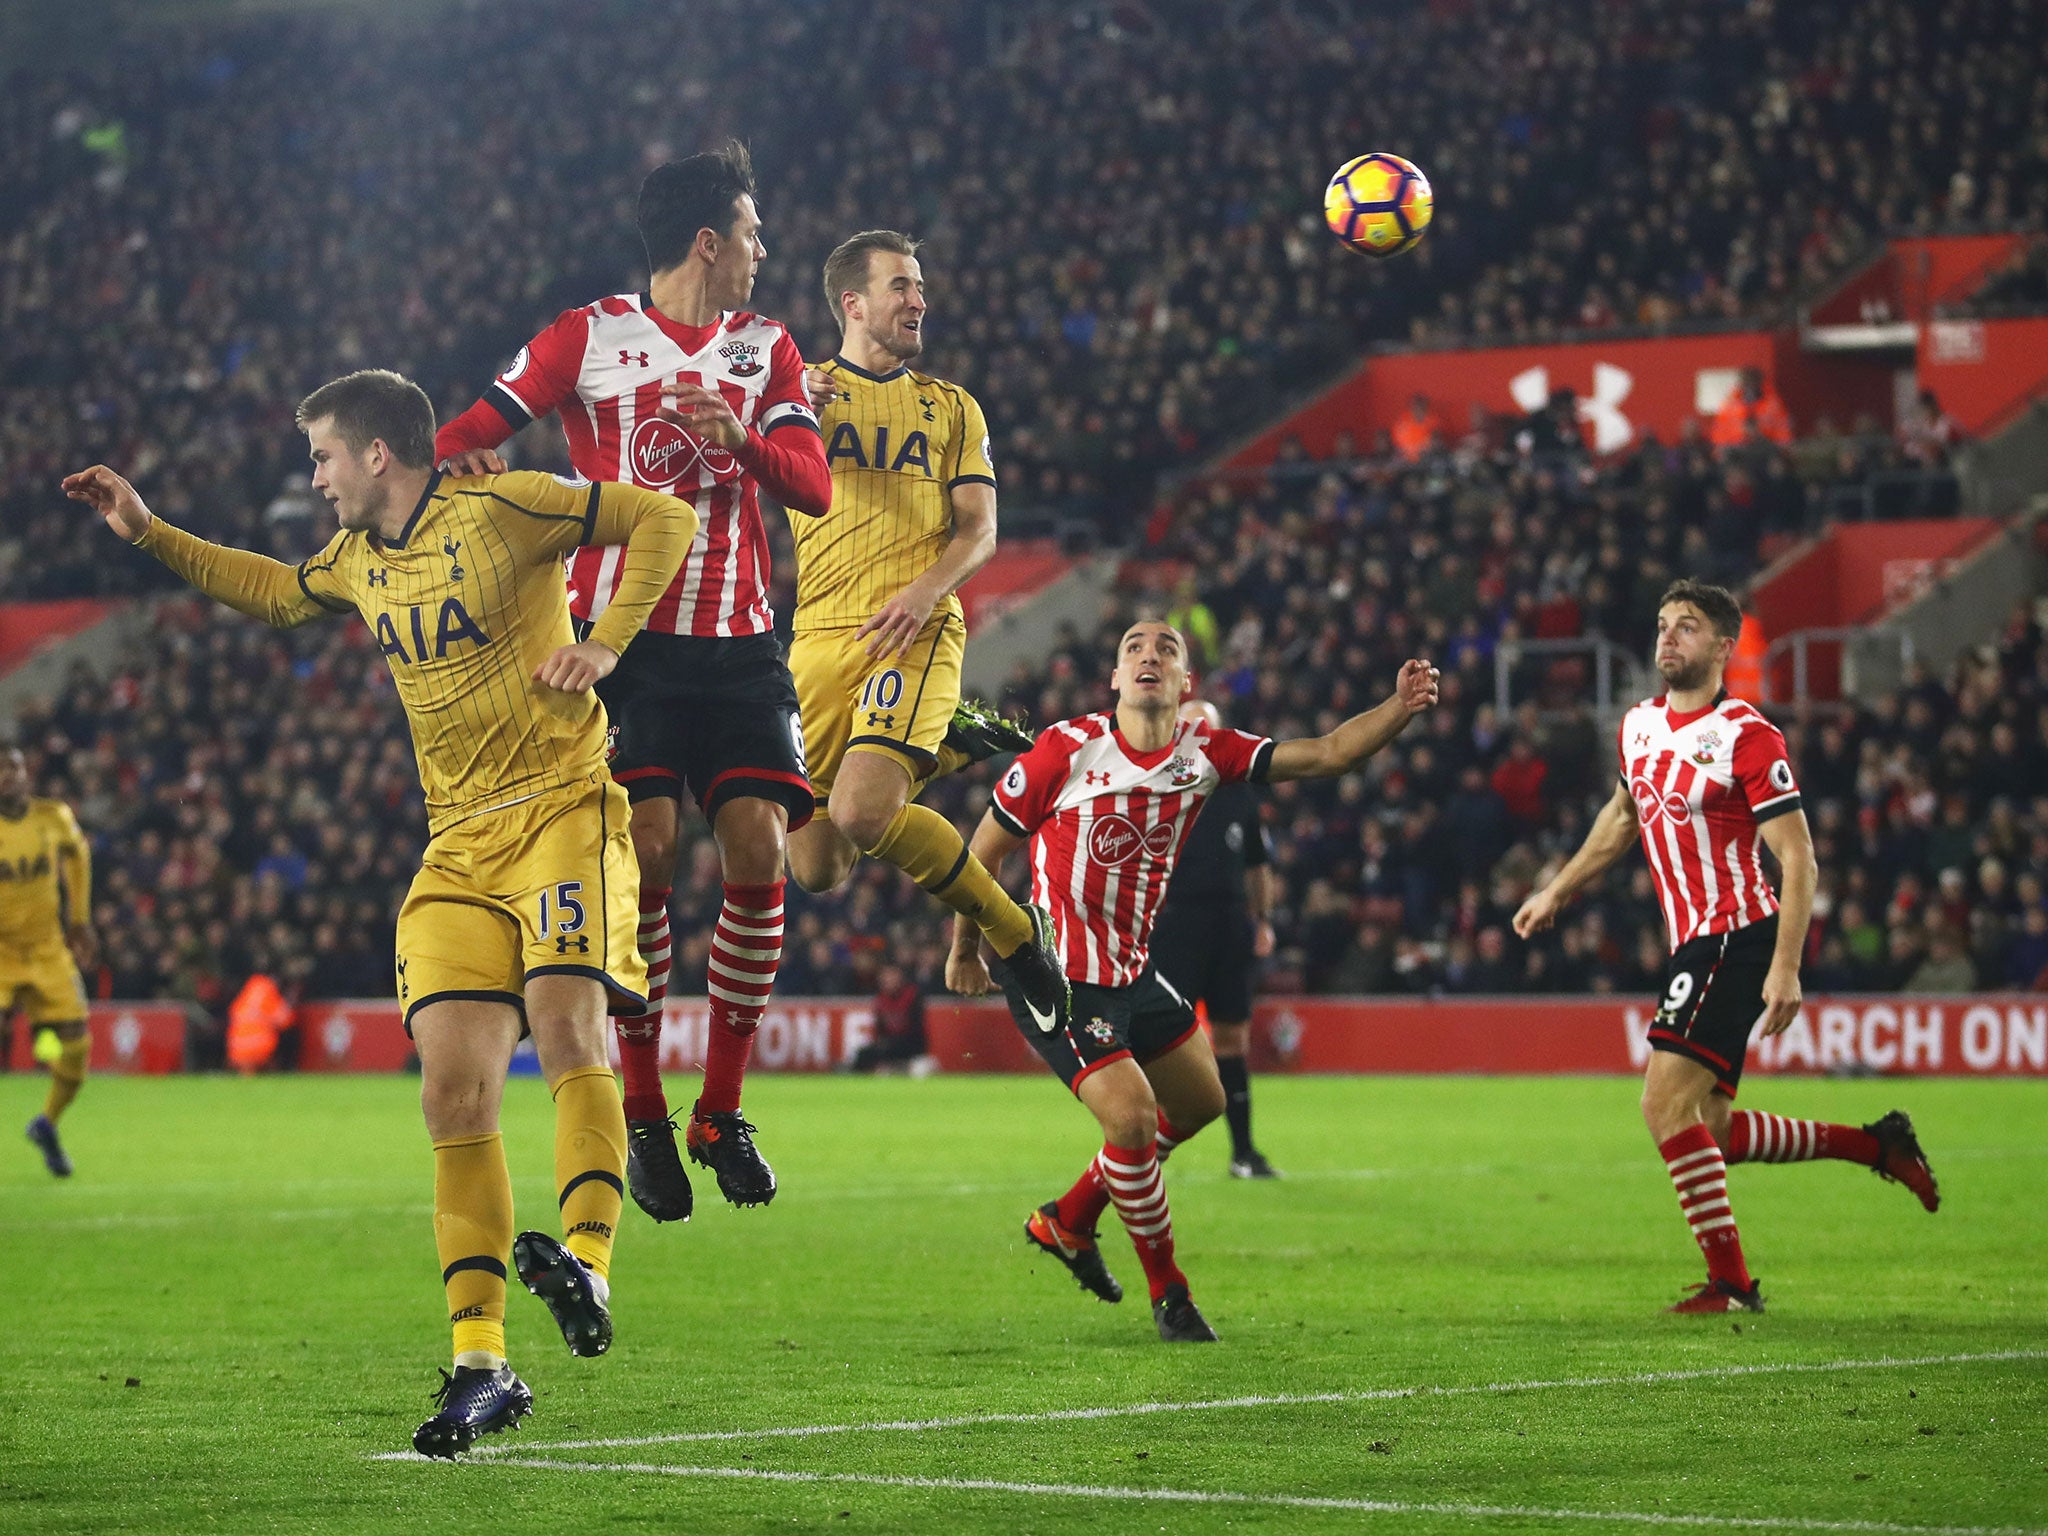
1279 1500
1264 1400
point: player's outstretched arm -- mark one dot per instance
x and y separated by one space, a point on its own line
892 627
247 582
966 972
657 531
1325 757
1791 843
1612 834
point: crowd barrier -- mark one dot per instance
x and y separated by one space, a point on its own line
1983 1035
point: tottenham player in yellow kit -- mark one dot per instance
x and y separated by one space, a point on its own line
880 633
522 916
45 939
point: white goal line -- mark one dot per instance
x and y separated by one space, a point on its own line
1274 1500
1262 1400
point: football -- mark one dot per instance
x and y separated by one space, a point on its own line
1378 204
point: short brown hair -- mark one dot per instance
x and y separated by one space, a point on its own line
372 404
847 267
1717 603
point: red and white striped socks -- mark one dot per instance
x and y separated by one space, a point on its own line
746 949
1081 1207
1132 1175
1700 1176
1757 1137
640 1034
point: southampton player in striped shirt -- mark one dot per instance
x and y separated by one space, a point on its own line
681 389
521 917
1105 802
1703 779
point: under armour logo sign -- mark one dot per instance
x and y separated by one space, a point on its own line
1093 776
1642 738
1611 385
626 357
580 941
878 720
378 578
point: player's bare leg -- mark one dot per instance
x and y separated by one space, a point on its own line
654 1168
746 950
465 1047
573 1276
1232 1043
1684 1113
820 855
1120 1096
64 1048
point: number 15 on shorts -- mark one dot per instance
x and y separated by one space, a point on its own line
561 908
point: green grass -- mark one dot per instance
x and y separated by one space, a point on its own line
258 1257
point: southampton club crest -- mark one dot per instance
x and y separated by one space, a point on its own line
1182 772
1101 1030
1706 747
742 359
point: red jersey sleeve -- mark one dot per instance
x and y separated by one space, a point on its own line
1239 756
538 381
1764 771
1028 792
790 466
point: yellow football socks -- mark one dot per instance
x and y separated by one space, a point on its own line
926 847
67 1075
590 1162
473 1231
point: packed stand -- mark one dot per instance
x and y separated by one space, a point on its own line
1120 203
253 805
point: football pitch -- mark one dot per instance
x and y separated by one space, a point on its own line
1445 1317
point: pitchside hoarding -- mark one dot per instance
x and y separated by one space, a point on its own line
1988 1035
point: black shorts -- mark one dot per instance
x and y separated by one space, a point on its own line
715 713
1713 996
1205 949
1142 1021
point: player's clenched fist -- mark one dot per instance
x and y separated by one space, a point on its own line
1536 914
112 497
574 668
1417 686
705 412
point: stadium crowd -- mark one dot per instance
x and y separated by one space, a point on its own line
198 226
253 806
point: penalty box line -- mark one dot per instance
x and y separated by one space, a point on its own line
1272 1500
1262 1400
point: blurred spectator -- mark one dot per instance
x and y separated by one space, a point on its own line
898 1043
1417 431
1751 413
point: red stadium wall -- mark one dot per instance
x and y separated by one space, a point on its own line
1912 277
1984 371
1626 388
26 628
1979 1036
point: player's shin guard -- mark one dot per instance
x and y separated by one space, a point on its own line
1757 1137
1132 1175
473 1234
1700 1175
590 1163
640 1034
67 1075
929 849
746 950
1237 1102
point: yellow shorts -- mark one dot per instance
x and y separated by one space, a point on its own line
43 983
850 702
547 887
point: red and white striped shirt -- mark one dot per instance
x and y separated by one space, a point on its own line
602 367
1106 823
1703 781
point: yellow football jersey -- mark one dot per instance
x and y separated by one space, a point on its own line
465 604
897 444
45 875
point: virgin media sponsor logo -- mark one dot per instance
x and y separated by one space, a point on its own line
663 453
1116 839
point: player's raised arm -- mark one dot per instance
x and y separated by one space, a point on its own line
247 582
785 454
538 380
1342 750
1612 834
